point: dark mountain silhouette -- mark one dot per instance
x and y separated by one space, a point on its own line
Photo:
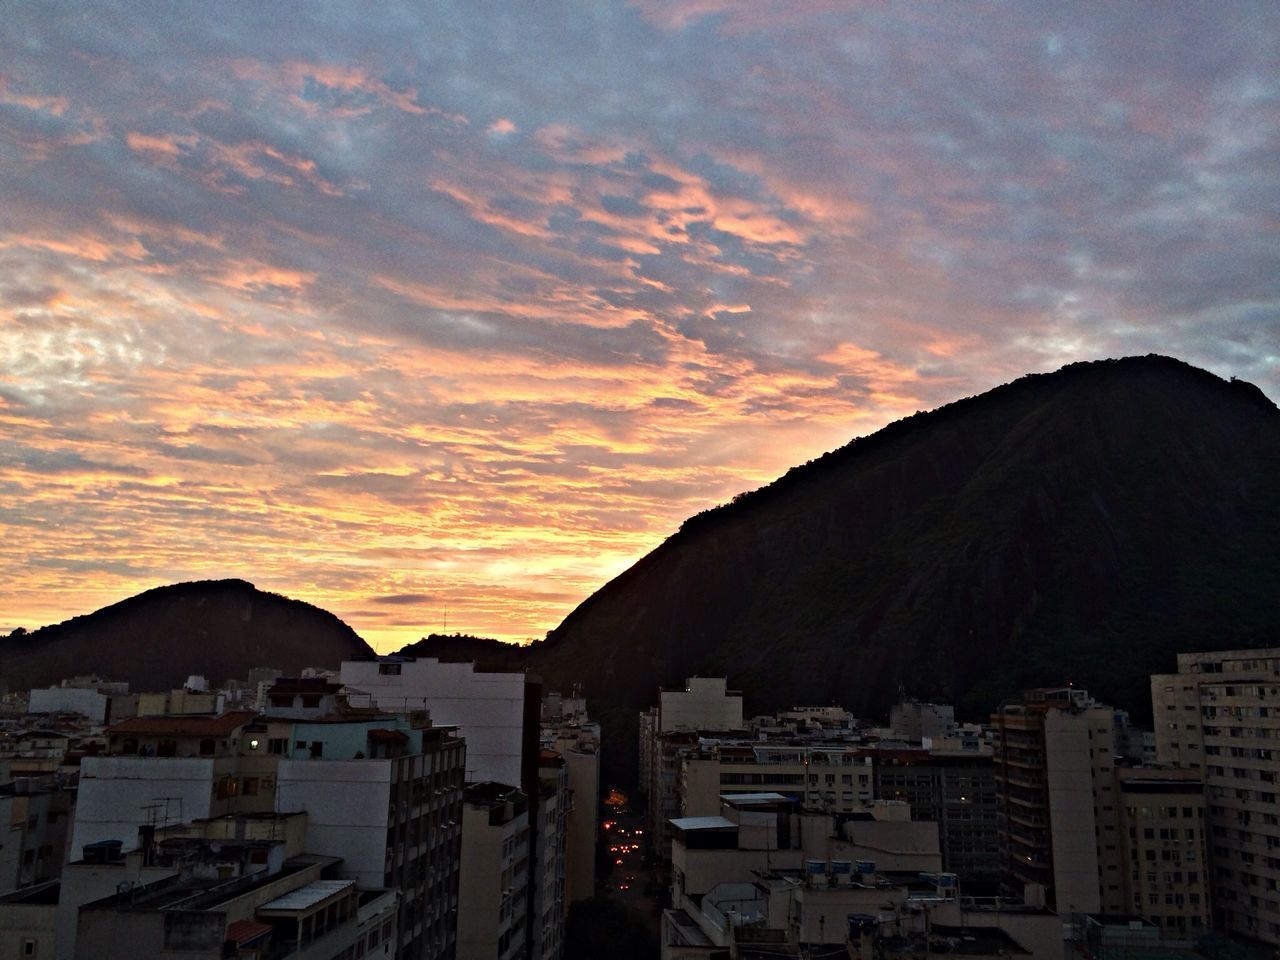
155 640
1082 525
485 652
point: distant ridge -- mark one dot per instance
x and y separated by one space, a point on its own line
460 647
155 640
1082 525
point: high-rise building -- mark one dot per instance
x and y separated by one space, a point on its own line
498 713
1163 842
493 901
388 801
1055 789
705 704
567 730
382 792
1220 715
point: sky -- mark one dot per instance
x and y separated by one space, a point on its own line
441 315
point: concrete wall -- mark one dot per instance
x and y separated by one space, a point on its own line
346 803
83 883
1073 829
582 825
115 935
20 922
87 703
704 704
487 708
115 790
704 869
486 876
893 845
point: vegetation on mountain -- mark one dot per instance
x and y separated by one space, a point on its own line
1082 526
155 640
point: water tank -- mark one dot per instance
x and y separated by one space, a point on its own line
197 683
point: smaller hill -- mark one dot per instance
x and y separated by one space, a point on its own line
485 652
155 640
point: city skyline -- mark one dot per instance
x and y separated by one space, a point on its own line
462 312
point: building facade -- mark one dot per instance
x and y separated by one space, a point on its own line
1219 715
1055 788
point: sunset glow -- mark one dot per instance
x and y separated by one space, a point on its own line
418 312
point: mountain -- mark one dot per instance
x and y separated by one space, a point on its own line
1082 525
155 640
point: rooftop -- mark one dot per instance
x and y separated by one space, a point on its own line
189 726
753 799
703 823
304 898
197 893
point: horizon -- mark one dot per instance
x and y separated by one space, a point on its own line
461 313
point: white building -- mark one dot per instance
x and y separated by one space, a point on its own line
705 703
487 708
394 819
100 701
1220 715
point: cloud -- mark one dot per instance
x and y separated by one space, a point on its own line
402 599
471 308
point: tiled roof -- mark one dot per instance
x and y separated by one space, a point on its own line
194 726
243 932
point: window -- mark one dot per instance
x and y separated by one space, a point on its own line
389 669
277 745
28 947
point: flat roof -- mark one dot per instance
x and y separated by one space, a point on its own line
703 823
306 897
752 799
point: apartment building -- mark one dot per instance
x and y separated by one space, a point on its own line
828 776
567 731
1056 794
387 799
161 770
1219 715
548 907
294 911
1163 837
497 713
956 789
493 896
35 813
705 704
381 792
